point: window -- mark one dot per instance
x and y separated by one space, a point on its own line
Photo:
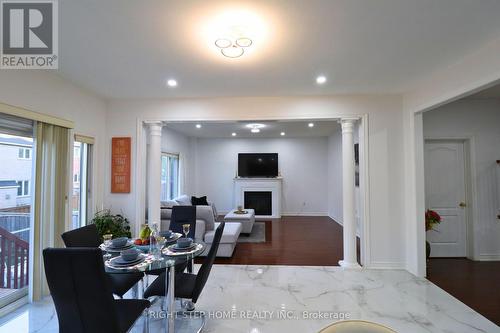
24 153
23 188
82 167
169 176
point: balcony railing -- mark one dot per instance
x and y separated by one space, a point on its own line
14 250
14 261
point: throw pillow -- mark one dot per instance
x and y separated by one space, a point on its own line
183 200
168 204
201 201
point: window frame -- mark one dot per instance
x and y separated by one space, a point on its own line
85 180
24 151
165 193
23 186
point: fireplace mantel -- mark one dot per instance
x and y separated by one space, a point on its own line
273 185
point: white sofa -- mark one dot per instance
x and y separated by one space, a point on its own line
205 225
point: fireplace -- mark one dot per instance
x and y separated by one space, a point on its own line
262 194
261 201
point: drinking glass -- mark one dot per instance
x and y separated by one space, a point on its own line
107 242
160 243
185 229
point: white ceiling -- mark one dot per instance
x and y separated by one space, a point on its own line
128 48
272 129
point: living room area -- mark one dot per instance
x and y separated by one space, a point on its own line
277 179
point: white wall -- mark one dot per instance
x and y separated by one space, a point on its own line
478 119
176 143
46 92
385 158
474 72
302 163
335 197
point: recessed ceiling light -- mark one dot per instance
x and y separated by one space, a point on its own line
282 133
255 130
172 83
198 125
233 134
321 79
310 124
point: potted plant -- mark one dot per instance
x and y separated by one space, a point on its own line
107 223
432 218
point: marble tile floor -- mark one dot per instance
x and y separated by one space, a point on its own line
262 299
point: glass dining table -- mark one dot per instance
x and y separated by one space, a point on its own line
166 259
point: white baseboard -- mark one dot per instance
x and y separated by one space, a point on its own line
489 257
291 213
304 214
385 265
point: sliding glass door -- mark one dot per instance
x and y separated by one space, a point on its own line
81 198
16 195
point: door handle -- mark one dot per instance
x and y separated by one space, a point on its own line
462 205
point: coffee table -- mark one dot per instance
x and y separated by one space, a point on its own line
246 220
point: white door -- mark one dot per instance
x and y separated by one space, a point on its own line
445 194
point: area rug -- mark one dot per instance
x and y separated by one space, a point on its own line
258 234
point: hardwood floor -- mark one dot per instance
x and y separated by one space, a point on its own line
293 240
474 283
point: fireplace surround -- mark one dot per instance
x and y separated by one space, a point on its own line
263 188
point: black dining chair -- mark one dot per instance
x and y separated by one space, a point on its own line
189 286
82 296
184 215
88 236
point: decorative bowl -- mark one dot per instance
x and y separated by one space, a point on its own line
129 255
119 242
184 243
167 234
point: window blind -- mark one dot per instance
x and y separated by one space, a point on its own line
16 125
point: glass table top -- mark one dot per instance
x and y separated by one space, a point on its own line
151 262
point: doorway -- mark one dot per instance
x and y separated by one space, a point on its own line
446 193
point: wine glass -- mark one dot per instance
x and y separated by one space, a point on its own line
185 229
107 243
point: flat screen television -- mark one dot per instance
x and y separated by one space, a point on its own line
258 165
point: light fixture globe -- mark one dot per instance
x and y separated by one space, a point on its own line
223 43
232 51
244 42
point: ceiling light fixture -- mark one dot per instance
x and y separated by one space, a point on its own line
172 83
310 124
198 125
233 134
233 48
282 133
255 128
321 79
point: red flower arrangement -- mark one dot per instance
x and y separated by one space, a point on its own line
431 218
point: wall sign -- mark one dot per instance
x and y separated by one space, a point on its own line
120 165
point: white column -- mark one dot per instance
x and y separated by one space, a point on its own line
154 172
348 187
